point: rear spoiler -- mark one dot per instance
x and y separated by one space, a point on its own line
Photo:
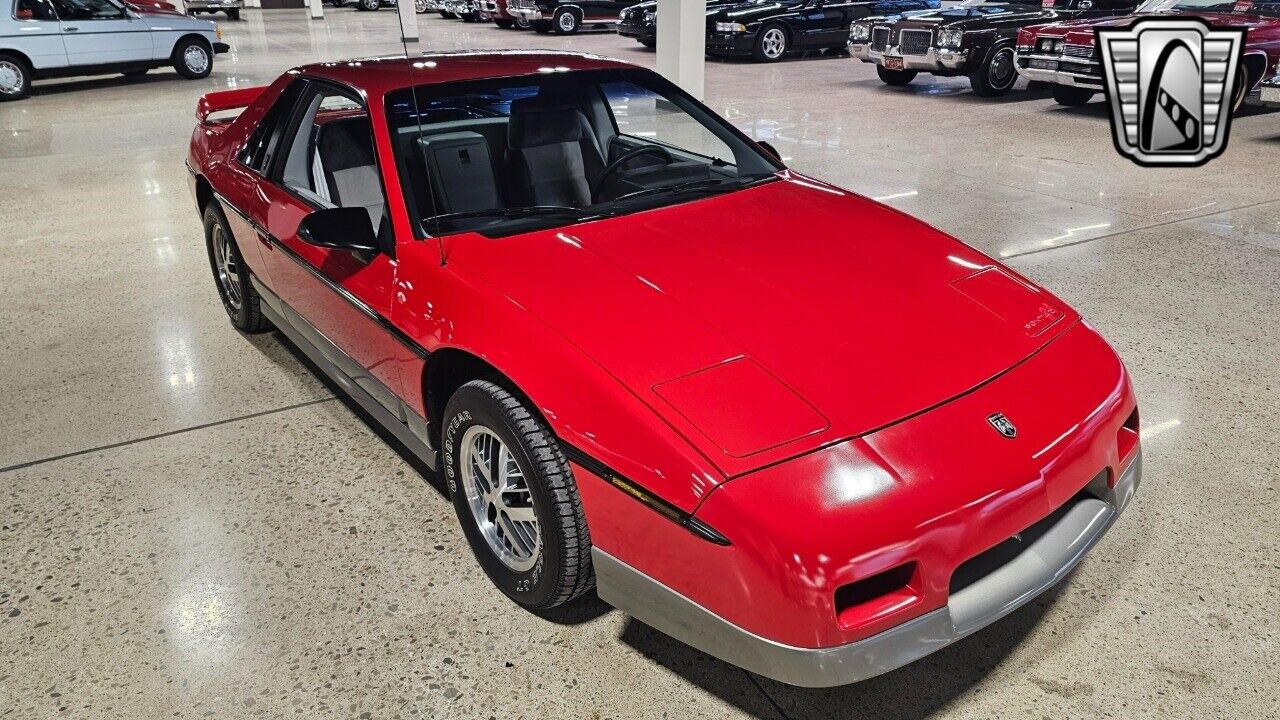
224 100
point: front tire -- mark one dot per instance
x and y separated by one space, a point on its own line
522 23
1071 96
1242 88
193 59
650 43
996 74
420 7
231 275
542 27
15 78
771 44
566 22
233 15
505 24
448 15
897 78
516 497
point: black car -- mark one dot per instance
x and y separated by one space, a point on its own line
975 38
566 16
767 30
641 21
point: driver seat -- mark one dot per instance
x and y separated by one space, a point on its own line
552 154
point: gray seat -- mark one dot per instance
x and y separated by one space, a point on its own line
553 156
345 162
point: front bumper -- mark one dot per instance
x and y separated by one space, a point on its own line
1077 527
220 48
1059 70
719 43
528 14
935 60
637 31
215 4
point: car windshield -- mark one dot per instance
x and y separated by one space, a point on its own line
1269 7
978 3
513 155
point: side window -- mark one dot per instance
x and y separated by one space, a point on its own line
643 115
88 10
34 10
260 148
331 160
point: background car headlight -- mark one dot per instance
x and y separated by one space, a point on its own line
859 32
725 27
950 37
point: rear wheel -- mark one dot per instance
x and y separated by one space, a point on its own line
996 74
1071 96
15 78
771 44
420 6
231 275
516 497
566 22
192 58
895 77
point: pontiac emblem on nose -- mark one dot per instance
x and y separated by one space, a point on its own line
1002 425
1170 87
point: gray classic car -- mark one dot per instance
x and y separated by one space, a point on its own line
58 38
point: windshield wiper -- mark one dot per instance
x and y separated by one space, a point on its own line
742 181
514 213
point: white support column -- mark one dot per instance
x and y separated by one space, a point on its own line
682 43
408 26
317 9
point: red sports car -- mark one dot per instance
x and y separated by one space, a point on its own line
783 423
1066 55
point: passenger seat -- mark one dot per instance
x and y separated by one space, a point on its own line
344 154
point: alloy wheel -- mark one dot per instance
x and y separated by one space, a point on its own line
224 262
420 6
196 58
11 79
1001 72
568 22
499 498
774 43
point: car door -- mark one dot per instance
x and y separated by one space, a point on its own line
39 34
342 299
824 23
101 32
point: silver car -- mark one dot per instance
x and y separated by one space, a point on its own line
58 38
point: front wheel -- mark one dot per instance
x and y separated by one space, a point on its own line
516 497
420 6
996 74
193 59
522 23
566 22
231 275
1071 96
897 78
233 14
15 78
542 27
771 44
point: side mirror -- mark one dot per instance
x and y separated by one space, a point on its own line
770 149
339 228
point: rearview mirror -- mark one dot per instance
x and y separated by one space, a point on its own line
771 150
339 228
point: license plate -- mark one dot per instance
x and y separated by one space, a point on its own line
1043 64
893 63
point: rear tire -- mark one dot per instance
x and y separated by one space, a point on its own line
566 22
771 44
1071 96
897 78
505 24
231 275
516 497
192 58
996 74
15 78
1242 88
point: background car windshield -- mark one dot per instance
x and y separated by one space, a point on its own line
87 9
1266 6
516 154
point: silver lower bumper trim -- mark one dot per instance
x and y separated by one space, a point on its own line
932 59
1040 566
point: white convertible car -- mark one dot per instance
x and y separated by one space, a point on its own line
59 38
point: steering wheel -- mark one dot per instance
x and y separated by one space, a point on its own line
613 167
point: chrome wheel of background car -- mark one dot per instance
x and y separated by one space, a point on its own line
420 6
12 79
1001 72
522 22
224 261
196 58
499 499
368 4
774 43
567 22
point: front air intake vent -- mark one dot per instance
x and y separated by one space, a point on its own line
869 599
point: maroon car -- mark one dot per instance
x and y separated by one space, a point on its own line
1066 55
496 10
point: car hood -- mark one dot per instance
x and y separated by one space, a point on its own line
747 12
981 15
152 11
767 322
1080 32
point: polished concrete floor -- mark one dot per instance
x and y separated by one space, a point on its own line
192 525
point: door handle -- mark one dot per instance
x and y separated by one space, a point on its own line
71 29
